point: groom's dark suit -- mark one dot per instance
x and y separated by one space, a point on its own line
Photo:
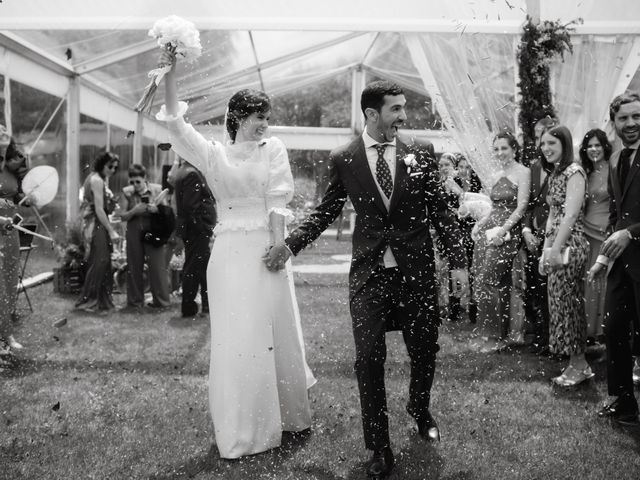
403 297
622 302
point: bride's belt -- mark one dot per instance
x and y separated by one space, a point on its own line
242 214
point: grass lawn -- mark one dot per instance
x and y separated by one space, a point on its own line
125 396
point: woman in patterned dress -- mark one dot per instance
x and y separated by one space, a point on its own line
565 268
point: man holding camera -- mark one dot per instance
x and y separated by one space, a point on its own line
137 208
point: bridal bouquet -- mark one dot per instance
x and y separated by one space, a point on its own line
178 36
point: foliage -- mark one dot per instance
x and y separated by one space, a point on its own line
304 199
540 45
71 253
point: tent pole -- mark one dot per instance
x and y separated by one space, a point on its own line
73 148
138 139
358 82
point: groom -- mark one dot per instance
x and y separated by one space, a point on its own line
397 196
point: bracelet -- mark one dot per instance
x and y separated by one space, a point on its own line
525 230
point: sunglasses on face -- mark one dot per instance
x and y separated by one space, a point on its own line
113 168
136 182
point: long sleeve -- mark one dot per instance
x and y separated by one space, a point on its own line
280 184
188 143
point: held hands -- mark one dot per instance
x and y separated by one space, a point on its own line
113 235
276 257
615 244
459 282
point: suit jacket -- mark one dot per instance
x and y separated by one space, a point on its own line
195 205
624 210
538 208
417 202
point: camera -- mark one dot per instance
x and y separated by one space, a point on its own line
145 199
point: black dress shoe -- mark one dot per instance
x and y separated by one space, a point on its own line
381 464
428 428
624 408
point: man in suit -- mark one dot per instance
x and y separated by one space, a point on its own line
397 196
196 214
534 223
622 247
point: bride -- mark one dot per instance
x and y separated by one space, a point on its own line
258 376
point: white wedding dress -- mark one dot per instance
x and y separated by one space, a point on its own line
258 376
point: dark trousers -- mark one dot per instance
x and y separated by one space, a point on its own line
139 253
386 299
536 302
621 328
194 273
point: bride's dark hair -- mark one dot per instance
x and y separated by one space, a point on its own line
241 105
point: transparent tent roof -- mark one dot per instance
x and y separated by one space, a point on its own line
282 46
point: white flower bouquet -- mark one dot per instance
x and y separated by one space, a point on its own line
178 36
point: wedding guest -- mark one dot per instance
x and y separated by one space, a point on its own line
258 375
138 206
595 152
196 214
98 236
453 189
12 169
564 255
470 182
498 238
622 247
533 226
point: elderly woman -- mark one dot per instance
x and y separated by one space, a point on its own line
12 170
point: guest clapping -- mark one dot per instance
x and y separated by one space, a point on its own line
498 238
565 255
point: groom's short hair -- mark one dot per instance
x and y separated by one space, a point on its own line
374 93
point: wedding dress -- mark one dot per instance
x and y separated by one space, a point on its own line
258 376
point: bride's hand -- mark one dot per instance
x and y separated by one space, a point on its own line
167 58
276 257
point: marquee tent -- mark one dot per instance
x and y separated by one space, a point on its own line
95 56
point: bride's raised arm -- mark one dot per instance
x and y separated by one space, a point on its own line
185 140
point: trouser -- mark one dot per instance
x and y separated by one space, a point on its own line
386 299
9 272
622 328
194 273
536 303
139 253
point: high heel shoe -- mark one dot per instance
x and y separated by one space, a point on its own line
571 377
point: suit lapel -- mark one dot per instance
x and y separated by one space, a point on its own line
364 175
632 172
400 182
613 176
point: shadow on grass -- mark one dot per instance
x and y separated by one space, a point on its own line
243 468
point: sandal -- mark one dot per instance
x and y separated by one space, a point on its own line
571 376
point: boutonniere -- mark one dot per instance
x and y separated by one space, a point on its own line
412 164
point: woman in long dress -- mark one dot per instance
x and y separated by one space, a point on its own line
258 377
98 235
498 238
564 257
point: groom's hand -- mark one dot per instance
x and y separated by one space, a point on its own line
276 257
459 281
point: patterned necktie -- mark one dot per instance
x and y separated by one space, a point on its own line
383 173
624 165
